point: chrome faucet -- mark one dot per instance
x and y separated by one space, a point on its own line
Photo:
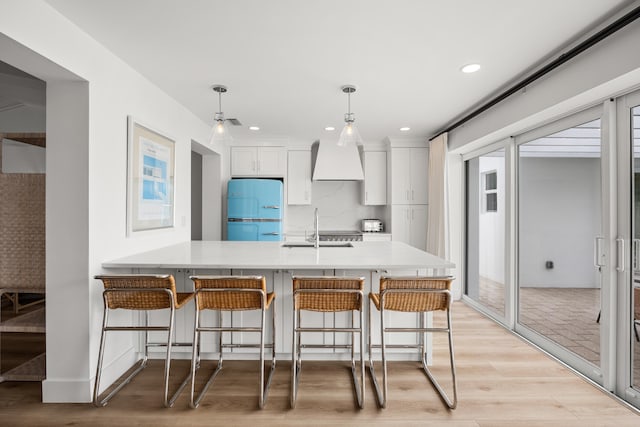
316 238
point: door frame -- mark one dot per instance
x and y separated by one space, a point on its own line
603 374
622 127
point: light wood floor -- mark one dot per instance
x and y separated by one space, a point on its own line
502 382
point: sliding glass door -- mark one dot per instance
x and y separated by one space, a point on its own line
485 196
553 240
628 298
559 225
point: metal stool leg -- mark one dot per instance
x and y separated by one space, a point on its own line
141 365
195 400
264 393
450 403
295 368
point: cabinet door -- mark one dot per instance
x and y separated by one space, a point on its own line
299 178
418 237
400 176
375 178
393 319
244 161
400 223
419 165
284 292
250 318
376 237
271 161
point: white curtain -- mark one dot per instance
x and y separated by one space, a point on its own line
437 223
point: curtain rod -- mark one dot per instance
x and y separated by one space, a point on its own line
575 51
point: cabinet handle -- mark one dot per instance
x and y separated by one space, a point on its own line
253 165
258 165
413 214
407 195
412 195
366 196
306 196
273 233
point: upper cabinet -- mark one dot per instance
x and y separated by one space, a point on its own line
299 177
258 161
374 187
409 174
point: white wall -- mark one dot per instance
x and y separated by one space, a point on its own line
559 218
90 93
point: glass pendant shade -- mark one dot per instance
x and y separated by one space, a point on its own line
349 135
220 133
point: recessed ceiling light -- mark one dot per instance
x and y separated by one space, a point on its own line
405 129
254 128
470 68
329 128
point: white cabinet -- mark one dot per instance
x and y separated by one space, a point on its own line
376 237
374 187
299 177
409 174
409 225
258 161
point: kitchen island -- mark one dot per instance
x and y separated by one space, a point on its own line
276 255
278 262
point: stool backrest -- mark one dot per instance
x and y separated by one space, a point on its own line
328 301
224 297
135 292
427 300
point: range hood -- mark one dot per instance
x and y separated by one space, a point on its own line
337 163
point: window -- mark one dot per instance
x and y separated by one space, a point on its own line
490 191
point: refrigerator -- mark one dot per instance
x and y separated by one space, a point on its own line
254 209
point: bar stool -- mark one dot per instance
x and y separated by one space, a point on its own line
232 293
419 295
327 294
141 292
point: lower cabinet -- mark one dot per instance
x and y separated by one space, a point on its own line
280 282
409 225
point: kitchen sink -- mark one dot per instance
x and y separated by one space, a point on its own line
322 245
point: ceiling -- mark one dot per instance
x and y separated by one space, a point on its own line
285 60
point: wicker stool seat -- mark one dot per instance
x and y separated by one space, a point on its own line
412 294
141 292
328 294
232 293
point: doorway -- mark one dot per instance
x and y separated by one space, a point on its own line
207 202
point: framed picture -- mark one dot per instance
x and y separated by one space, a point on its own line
150 178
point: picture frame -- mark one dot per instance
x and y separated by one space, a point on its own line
150 178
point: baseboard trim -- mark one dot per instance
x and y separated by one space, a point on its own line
60 390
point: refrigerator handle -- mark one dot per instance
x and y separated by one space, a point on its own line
271 207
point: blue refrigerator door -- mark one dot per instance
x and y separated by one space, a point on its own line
254 231
254 198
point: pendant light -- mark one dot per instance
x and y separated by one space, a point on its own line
349 134
220 133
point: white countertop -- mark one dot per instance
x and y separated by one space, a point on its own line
271 255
